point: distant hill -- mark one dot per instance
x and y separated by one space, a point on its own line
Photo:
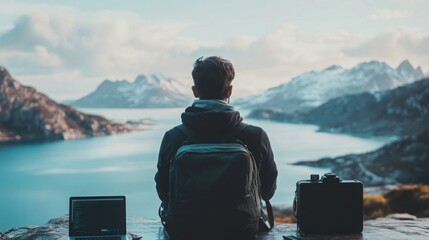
398 112
153 91
403 161
312 89
26 114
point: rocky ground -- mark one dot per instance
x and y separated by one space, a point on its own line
394 227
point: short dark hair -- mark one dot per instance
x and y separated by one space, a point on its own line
212 77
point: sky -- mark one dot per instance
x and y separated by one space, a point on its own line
66 48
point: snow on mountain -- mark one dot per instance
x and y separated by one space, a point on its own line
147 91
402 111
314 88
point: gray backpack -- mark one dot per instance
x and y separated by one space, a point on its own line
214 189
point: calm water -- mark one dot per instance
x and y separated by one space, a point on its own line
36 180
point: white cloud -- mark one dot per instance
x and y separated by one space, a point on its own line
50 51
286 52
13 7
395 45
114 45
49 59
389 14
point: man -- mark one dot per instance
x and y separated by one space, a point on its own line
211 115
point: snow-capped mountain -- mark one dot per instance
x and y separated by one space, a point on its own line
152 91
402 111
314 88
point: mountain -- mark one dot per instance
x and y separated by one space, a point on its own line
26 114
314 88
401 162
398 112
153 91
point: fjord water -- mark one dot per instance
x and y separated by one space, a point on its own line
37 179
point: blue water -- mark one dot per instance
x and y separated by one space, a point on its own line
36 180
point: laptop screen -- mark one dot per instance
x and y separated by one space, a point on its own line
95 216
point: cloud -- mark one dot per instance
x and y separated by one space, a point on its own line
389 14
110 46
395 45
286 52
80 49
13 7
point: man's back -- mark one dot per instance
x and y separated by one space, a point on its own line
212 118
211 122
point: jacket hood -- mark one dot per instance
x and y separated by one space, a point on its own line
210 120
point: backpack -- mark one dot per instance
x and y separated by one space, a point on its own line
214 189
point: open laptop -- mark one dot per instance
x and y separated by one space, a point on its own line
97 218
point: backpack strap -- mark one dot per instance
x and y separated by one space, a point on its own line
269 211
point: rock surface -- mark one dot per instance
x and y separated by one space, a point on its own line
314 88
383 228
26 114
404 161
147 91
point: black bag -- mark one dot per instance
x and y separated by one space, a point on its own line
214 190
329 205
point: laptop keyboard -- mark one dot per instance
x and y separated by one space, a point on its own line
99 238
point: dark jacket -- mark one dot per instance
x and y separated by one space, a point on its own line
211 123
